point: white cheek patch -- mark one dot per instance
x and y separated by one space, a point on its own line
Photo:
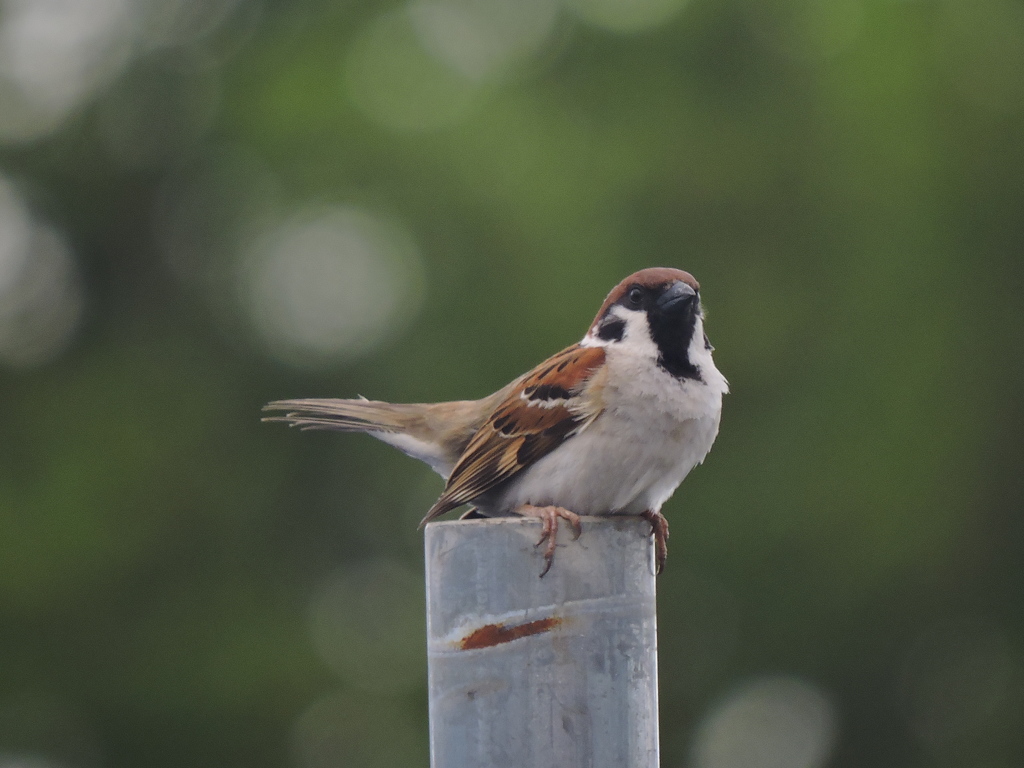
622 313
700 356
638 332
698 352
636 335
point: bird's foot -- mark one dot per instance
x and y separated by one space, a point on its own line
659 529
549 520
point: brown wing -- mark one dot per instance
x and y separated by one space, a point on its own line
538 414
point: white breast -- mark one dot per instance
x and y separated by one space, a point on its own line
653 430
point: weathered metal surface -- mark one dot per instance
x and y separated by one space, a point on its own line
529 672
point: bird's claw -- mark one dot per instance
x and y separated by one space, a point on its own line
549 528
659 529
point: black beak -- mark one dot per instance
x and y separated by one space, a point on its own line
675 297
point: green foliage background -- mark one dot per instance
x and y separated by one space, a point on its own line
845 179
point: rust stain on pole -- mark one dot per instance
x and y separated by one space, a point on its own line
495 634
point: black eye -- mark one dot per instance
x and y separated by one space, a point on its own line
635 297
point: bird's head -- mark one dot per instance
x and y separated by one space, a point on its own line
656 312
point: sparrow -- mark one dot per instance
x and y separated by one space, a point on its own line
608 426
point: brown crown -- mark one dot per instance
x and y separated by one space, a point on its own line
648 278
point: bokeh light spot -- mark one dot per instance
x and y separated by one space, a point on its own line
482 38
41 297
769 722
53 55
331 284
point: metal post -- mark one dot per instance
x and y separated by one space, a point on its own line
529 672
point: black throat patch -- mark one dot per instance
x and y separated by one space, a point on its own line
672 335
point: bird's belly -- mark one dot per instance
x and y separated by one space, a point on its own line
612 467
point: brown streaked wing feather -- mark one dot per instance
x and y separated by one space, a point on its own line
537 415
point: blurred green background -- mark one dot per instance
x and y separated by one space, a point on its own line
209 204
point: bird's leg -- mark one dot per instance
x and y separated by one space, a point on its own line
549 520
659 529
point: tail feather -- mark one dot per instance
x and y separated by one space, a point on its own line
344 415
435 433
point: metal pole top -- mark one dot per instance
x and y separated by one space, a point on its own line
531 672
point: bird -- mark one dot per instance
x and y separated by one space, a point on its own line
611 425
